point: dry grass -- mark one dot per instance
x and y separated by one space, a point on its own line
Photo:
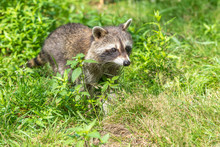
183 120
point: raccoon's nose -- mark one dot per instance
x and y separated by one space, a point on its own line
126 63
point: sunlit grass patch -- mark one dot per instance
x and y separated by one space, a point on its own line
171 119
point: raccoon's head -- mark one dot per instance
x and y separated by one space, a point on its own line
111 44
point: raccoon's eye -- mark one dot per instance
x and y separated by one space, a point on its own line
128 49
113 49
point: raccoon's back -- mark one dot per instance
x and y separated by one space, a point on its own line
68 40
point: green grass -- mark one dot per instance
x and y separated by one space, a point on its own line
168 96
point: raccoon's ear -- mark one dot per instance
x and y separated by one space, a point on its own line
99 32
126 24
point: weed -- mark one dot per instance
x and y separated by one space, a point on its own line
84 135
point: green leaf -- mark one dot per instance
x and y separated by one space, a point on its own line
169 21
80 143
63 93
114 86
90 61
94 134
105 138
206 26
157 15
70 141
76 73
58 75
115 78
80 115
65 75
58 100
104 87
85 93
40 123
79 56
48 117
77 98
78 130
10 82
89 127
78 87
72 63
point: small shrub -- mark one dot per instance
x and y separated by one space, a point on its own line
84 135
153 62
23 29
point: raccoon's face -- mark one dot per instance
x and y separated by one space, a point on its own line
112 44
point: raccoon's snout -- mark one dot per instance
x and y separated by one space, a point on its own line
126 63
122 61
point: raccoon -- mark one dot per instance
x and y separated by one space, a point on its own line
110 46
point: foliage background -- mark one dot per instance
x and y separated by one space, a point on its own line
168 96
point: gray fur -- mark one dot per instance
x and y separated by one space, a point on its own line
71 39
